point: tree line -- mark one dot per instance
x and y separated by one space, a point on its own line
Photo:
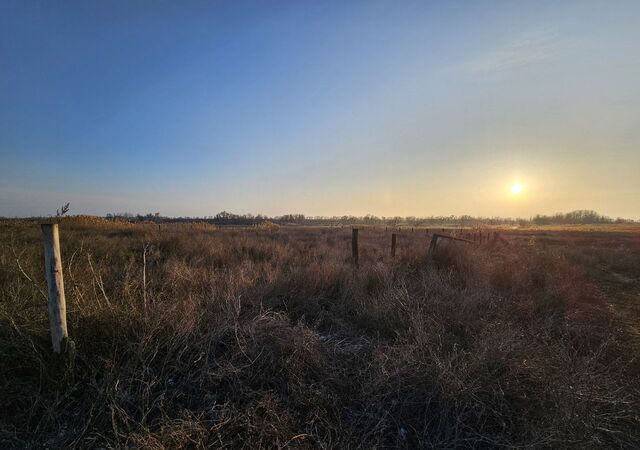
227 218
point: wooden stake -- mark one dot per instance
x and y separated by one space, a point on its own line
432 244
55 285
354 247
144 277
393 245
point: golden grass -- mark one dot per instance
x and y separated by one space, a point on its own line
257 338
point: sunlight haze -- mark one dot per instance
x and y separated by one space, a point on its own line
322 108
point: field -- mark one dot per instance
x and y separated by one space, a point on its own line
270 338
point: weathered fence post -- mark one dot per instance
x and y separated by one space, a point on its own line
393 245
433 244
144 277
354 246
55 285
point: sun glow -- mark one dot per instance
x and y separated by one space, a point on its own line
516 189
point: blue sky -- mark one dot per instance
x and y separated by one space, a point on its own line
389 108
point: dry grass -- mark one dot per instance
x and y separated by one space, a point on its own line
270 339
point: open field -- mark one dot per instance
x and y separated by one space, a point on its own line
251 338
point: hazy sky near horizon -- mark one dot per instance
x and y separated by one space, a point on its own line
322 108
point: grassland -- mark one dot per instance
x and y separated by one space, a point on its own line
270 339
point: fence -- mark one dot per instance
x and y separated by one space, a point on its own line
55 281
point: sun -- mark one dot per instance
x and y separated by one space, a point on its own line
516 189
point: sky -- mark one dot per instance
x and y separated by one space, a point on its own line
320 107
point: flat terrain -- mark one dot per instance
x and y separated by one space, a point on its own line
270 338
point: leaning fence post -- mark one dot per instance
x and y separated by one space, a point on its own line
55 285
433 244
393 245
354 246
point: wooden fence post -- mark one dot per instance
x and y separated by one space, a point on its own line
393 245
433 244
144 277
55 285
354 246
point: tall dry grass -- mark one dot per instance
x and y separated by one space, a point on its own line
270 339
